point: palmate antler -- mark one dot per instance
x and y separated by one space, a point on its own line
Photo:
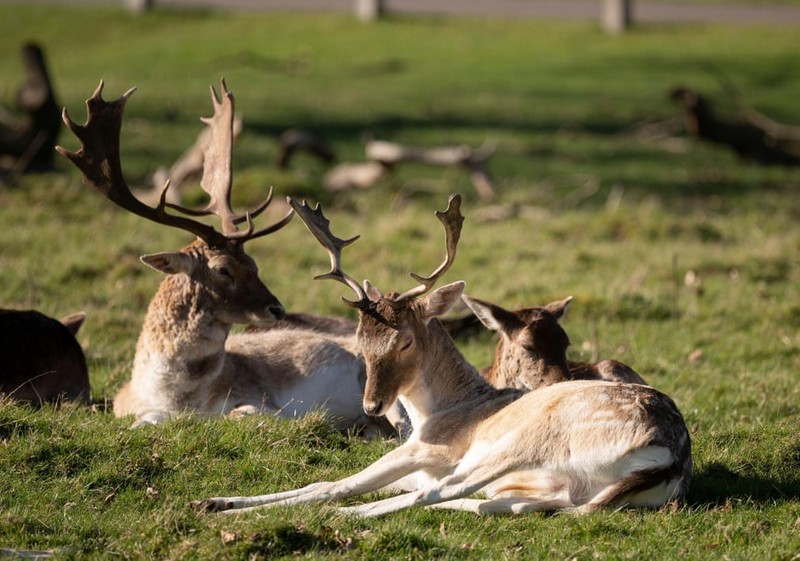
319 226
99 160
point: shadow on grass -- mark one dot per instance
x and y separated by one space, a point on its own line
642 167
285 540
606 148
716 485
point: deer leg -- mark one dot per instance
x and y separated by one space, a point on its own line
242 411
410 482
388 469
151 418
232 504
448 488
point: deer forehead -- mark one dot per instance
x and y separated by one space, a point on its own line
382 325
540 325
530 316
234 258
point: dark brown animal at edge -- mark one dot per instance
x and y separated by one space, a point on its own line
42 360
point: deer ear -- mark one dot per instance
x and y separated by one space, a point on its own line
73 322
492 316
169 262
441 300
372 291
559 307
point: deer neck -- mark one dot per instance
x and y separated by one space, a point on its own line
180 336
516 367
445 381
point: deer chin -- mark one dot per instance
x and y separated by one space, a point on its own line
262 321
261 316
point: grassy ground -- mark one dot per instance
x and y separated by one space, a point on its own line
587 205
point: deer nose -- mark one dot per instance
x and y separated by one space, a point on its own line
373 407
277 310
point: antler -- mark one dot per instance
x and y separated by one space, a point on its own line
217 172
319 226
99 160
452 220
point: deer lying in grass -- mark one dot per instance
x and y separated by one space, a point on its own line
581 445
532 350
185 359
42 360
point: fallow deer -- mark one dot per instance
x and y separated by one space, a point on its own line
42 360
186 360
532 350
580 445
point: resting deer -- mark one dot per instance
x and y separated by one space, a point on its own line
580 445
532 350
185 360
42 360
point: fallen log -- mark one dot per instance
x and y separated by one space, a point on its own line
753 137
474 161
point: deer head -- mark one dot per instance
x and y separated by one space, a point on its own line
537 330
393 330
217 260
532 349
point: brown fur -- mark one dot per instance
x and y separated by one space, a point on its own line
578 445
531 351
560 447
42 360
187 361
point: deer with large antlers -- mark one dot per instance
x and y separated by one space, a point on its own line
532 349
579 446
185 360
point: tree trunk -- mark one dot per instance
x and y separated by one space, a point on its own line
139 6
617 15
370 10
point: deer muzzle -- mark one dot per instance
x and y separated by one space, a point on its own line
373 407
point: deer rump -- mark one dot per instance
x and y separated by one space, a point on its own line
581 445
42 360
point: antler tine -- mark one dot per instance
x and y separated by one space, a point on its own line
250 233
217 172
319 226
452 220
267 229
256 211
99 161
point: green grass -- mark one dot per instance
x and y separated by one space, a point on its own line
590 208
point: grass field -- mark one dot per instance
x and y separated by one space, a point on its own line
587 204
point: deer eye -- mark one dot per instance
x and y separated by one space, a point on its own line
406 343
225 272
